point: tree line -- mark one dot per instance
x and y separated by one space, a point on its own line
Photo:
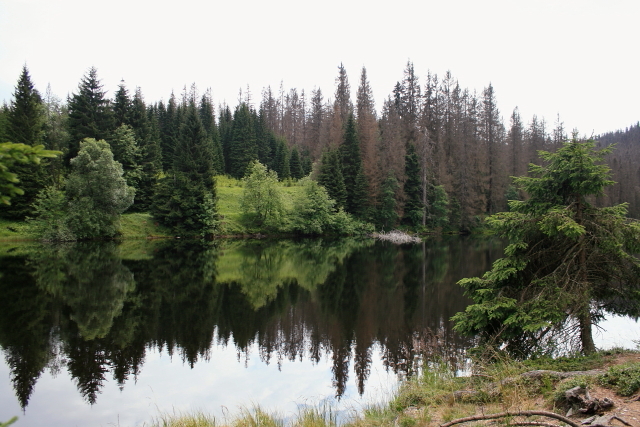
437 155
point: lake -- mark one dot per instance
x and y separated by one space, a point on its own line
108 334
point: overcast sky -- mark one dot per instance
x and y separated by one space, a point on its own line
576 58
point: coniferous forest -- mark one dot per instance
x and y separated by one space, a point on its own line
435 155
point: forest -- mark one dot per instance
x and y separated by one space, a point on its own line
435 156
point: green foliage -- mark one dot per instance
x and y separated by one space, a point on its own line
281 161
261 197
96 194
625 378
355 183
567 262
90 114
26 115
438 211
313 211
295 164
125 151
386 213
185 206
12 154
242 146
331 177
96 191
50 216
413 207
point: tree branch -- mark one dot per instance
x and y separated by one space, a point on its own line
513 414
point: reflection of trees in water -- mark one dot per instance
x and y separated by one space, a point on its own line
319 298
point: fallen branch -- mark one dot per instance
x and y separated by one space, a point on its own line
513 414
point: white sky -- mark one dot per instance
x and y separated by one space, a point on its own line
576 58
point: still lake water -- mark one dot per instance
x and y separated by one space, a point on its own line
106 334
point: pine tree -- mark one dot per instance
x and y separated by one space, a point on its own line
26 125
26 115
354 180
281 161
122 106
225 129
243 147
207 115
386 214
185 200
90 113
331 178
295 164
413 207
567 263
193 153
368 135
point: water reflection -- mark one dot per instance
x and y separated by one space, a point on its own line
95 309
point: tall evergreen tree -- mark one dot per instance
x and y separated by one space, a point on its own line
26 125
186 199
243 147
413 207
193 153
225 130
354 180
207 115
281 162
26 115
90 113
295 164
567 263
122 106
331 178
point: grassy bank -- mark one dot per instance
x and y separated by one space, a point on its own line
437 396
142 225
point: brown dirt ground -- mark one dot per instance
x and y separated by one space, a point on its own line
626 408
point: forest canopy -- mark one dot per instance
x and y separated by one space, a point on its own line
435 155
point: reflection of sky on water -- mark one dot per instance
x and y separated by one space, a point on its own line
220 386
617 331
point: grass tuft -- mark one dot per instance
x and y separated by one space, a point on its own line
625 378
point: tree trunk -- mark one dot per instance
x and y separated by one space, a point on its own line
586 337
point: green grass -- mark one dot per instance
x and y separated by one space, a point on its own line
14 230
141 225
229 193
625 379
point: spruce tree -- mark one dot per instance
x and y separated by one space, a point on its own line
413 207
281 162
568 262
90 113
26 115
207 115
186 199
243 147
225 128
295 164
331 178
122 106
26 125
354 179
